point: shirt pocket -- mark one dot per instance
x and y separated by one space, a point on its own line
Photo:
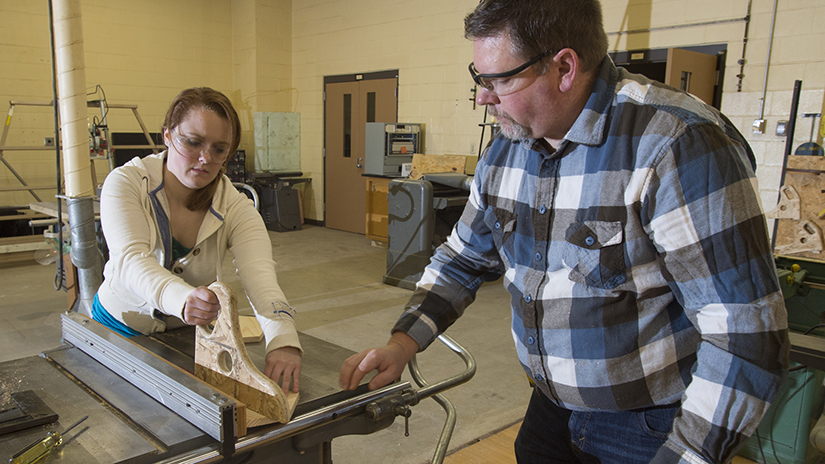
502 224
594 254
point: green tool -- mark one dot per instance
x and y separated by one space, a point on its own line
40 448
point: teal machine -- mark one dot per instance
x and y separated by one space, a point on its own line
792 427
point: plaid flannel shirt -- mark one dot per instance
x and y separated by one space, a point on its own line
638 262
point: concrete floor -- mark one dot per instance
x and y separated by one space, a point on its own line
334 280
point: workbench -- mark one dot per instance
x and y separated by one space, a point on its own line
49 208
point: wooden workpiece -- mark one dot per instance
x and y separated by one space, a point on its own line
221 360
800 237
424 164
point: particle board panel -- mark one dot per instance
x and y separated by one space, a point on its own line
805 175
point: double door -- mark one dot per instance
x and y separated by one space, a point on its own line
349 105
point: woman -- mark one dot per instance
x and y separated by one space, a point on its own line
169 220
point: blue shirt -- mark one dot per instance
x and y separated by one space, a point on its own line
638 262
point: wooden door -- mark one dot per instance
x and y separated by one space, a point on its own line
348 107
692 72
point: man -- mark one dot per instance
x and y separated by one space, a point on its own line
624 219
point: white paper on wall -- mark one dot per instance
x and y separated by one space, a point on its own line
277 141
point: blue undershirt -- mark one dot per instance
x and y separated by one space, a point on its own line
100 314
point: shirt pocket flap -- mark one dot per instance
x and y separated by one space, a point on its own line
595 255
593 235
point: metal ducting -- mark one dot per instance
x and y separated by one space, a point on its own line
80 190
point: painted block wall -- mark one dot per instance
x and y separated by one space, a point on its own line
425 43
272 55
140 52
424 40
796 52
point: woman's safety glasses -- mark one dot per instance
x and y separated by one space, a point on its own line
192 147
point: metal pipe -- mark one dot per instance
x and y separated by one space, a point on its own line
449 422
679 26
767 63
302 423
58 171
415 397
334 412
742 61
43 222
71 78
789 133
251 190
85 253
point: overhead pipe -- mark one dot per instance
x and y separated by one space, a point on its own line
767 63
71 83
61 265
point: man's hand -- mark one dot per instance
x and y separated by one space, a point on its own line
285 364
389 360
201 307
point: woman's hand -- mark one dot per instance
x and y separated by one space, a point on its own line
201 307
284 364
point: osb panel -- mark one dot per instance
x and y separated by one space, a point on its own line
805 174
423 164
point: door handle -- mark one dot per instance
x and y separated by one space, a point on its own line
360 163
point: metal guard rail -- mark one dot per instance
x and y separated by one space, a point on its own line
397 400
433 390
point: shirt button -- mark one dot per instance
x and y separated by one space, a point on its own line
528 298
530 340
178 270
196 252
589 241
542 209
498 225
539 377
538 256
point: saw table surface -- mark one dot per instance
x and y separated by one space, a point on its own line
125 424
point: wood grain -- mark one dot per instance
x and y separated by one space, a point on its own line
423 164
221 360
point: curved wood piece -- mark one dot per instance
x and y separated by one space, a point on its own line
221 360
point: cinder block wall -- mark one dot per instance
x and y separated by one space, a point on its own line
796 53
140 52
272 55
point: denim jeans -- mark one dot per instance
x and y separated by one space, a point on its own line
550 434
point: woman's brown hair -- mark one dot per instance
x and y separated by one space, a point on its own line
211 100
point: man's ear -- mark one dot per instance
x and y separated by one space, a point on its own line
568 68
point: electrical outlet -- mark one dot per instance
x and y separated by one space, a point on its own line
472 148
759 126
781 128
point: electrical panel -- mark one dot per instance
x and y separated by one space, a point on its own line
388 145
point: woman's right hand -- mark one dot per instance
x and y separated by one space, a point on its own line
201 307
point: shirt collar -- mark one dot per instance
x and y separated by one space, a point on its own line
589 128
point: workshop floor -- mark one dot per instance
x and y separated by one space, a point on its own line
334 280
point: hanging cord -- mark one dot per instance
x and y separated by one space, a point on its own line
105 102
58 278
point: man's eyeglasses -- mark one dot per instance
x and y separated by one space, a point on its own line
191 147
499 83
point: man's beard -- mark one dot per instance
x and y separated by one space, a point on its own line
513 130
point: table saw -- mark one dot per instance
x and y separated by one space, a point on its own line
145 406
